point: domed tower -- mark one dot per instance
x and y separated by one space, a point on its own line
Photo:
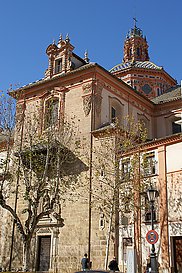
135 47
138 71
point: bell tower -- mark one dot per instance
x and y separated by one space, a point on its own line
135 46
137 70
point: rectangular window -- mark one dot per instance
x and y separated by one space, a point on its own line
58 66
125 168
138 51
149 164
176 127
158 91
113 114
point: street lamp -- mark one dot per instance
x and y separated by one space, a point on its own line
152 194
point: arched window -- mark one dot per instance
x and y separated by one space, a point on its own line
51 112
130 52
145 123
138 51
116 110
173 124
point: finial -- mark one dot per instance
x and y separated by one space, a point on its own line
135 20
67 38
86 59
53 42
60 38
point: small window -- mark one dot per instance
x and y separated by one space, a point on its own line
58 66
149 164
125 166
146 89
125 169
176 127
138 51
51 112
101 221
113 114
158 92
115 110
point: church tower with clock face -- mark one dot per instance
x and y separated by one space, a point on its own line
138 71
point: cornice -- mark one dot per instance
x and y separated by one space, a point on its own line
155 143
147 71
64 80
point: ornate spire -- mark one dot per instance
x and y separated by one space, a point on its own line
67 38
60 40
135 31
86 59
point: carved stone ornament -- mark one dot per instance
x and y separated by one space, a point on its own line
98 98
44 230
98 102
175 228
46 201
87 104
99 89
87 88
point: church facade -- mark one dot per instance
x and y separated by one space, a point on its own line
95 98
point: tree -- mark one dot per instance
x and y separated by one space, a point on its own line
116 167
42 164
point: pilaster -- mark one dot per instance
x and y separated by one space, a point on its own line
163 209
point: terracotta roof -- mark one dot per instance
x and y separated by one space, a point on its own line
84 67
37 82
172 94
136 64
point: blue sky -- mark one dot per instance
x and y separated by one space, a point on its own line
100 26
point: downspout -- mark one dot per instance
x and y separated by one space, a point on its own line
90 167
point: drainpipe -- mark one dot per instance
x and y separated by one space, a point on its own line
90 175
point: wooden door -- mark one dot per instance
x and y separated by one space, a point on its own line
43 257
177 244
